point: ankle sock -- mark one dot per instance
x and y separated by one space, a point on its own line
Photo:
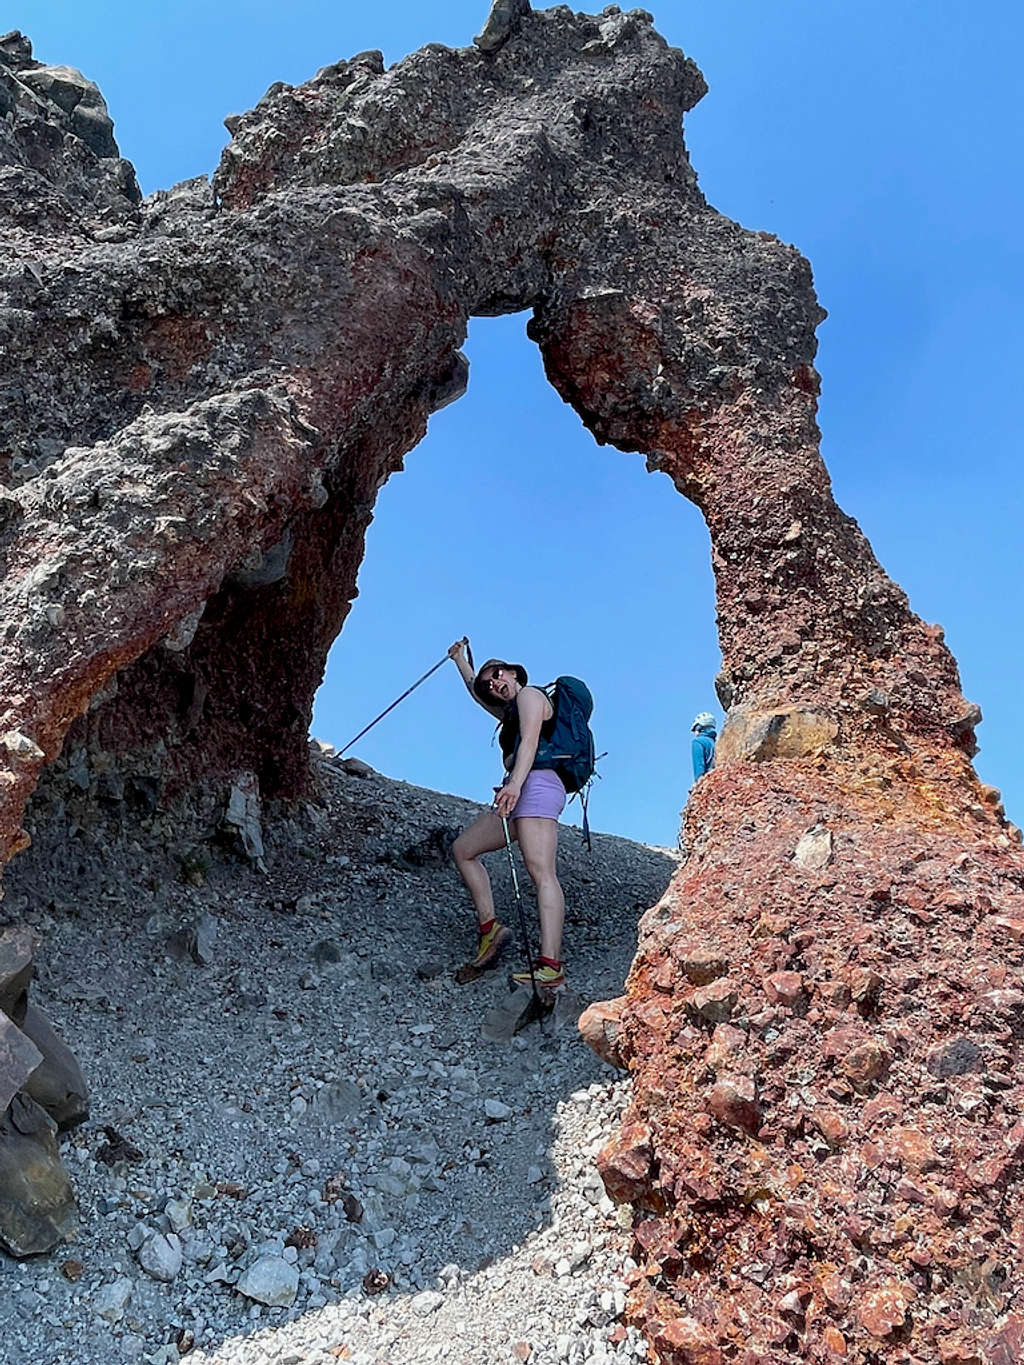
550 962
486 928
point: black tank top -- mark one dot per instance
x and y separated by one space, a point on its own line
508 733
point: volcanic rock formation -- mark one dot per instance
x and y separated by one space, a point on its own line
203 393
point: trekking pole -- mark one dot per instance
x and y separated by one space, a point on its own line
538 1007
440 662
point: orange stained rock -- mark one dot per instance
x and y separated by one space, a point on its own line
833 1341
884 1309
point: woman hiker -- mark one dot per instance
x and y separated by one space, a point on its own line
531 799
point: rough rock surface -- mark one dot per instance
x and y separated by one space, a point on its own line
824 1149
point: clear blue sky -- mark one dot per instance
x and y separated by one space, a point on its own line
884 140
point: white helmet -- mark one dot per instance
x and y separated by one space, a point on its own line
704 720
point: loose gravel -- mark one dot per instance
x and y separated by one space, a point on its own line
301 1148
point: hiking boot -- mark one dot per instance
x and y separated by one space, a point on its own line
489 945
543 975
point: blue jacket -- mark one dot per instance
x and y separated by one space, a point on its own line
703 749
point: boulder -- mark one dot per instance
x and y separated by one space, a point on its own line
600 1025
19 1057
37 1207
17 947
57 1083
759 736
270 1280
242 818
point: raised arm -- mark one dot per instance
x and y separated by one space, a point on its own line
457 654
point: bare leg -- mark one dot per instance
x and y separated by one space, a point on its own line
538 840
484 835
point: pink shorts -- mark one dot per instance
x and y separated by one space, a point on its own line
543 795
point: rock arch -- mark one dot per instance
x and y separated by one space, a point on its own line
204 393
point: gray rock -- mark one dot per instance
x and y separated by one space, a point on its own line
37 1207
452 385
957 1057
19 1057
110 1302
327 952
79 101
430 971
195 941
516 1012
259 570
270 1280
160 1256
355 767
502 22
178 1213
875 702
242 816
336 1102
57 1083
17 947
179 639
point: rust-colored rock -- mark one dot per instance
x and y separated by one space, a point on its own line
734 1102
600 1025
626 1163
785 988
700 964
683 1340
883 1310
715 1003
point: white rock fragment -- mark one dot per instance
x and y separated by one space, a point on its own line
496 1110
814 849
429 1301
19 746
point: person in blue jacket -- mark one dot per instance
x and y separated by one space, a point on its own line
703 746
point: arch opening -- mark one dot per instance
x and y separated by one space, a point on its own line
509 523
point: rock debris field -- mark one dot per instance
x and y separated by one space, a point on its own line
301 1148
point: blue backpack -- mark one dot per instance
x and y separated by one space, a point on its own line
566 742
568 748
